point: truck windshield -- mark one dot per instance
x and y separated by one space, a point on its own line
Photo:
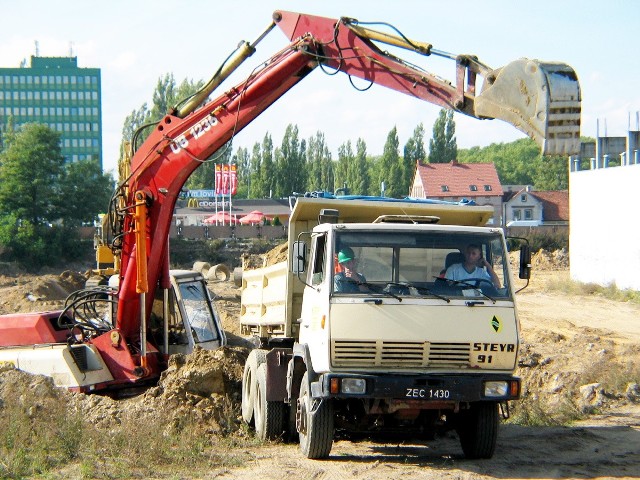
198 313
438 264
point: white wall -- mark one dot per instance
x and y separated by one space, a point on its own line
604 233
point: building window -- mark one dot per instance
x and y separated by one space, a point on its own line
487 188
444 188
517 214
523 197
473 188
528 214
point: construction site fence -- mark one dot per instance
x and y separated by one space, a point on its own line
210 232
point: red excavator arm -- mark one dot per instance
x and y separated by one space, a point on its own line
542 100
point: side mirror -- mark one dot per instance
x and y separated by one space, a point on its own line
525 262
298 257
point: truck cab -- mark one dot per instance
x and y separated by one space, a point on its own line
400 311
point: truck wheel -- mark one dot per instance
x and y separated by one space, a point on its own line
256 358
314 422
478 430
268 414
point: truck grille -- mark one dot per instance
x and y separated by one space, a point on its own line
345 353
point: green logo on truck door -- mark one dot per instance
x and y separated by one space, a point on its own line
496 324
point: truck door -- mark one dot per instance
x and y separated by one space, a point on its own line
314 327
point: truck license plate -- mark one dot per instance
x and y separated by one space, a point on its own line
427 393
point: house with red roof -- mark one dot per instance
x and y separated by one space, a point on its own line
531 208
457 181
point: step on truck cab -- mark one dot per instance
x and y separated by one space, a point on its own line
367 330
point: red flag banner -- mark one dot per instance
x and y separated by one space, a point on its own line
225 179
218 179
234 180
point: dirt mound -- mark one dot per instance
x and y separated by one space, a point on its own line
557 260
204 386
28 293
543 260
275 255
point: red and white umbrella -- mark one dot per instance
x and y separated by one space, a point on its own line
220 217
252 218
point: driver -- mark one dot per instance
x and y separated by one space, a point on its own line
474 267
348 280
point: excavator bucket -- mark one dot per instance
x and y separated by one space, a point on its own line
541 99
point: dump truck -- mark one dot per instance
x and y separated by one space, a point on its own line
406 349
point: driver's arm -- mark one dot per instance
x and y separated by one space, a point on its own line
492 274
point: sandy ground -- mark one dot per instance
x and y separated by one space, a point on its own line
568 341
565 331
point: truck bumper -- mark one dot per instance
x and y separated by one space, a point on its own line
436 388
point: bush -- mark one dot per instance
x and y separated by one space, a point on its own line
35 245
549 241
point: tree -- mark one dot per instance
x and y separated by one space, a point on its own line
346 158
42 199
319 165
442 146
290 163
390 167
254 188
358 179
84 192
414 152
30 173
515 161
551 173
267 168
165 97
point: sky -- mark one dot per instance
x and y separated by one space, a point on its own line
134 43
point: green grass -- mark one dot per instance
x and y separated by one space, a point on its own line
533 412
611 292
44 437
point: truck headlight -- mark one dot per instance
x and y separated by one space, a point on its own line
496 389
353 385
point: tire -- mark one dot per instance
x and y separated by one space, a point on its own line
256 358
478 430
315 427
268 415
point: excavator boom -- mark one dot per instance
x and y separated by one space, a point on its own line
542 99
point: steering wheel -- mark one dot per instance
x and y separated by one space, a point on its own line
478 282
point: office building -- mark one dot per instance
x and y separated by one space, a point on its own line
54 91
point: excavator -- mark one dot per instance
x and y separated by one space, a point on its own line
109 338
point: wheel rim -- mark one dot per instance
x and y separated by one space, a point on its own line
301 414
257 408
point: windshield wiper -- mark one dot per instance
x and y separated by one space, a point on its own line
429 292
378 289
470 285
